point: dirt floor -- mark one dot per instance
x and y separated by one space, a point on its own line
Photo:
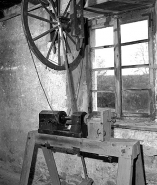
8 178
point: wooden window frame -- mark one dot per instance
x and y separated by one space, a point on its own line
116 22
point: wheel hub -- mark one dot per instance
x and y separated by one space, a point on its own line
66 23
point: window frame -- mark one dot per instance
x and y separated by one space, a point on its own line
116 22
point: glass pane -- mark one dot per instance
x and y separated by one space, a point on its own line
103 100
135 54
106 99
134 31
136 101
104 36
137 78
103 58
103 80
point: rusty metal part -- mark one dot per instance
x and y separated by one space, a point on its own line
57 122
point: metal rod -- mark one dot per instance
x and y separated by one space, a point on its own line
84 167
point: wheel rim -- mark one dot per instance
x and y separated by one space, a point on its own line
50 54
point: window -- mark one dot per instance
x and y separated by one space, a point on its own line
102 55
135 68
133 73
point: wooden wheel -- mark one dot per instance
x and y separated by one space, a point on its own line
42 29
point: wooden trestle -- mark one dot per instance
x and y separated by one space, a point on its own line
128 152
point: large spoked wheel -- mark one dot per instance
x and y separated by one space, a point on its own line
48 32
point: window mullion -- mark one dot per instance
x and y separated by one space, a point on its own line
117 64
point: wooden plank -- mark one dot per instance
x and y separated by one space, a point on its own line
49 158
27 160
125 170
153 66
106 121
117 64
131 2
127 17
92 76
69 74
118 147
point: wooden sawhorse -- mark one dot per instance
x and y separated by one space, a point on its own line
128 152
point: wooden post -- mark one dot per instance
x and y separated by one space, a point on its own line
117 64
69 75
151 51
106 121
155 57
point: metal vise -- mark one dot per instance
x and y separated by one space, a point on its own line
57 123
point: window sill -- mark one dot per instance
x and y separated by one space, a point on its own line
141 125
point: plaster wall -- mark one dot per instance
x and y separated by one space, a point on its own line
22 97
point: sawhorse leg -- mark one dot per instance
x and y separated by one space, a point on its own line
49 158
28 158
27 161
125 169
139 171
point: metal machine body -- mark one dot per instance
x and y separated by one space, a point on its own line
58 123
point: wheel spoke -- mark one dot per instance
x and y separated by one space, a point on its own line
53 40
59 45
45 33
65 11
58 8
41 18
53 6
67 45
36 7
51 14
70 37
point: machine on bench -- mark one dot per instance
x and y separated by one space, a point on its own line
58 123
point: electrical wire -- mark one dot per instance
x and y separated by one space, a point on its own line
39 78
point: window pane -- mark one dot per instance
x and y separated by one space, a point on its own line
135 78
134 31
103 58
104 36
104 100
135 54
103 80
136 101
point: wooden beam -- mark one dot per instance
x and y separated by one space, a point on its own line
117 64
118 147
127 17
151 54
132 2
